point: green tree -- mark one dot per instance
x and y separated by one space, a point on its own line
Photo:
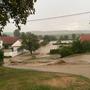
61 37
46 38
73 36
17 10
17 33
77 46
49 38
30 42
65 37
65 51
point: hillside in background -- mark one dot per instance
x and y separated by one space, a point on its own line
8 33
63 32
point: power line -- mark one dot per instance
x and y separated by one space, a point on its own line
63 16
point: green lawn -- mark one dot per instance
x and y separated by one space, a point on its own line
14 79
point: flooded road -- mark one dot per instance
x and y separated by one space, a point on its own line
46 49
83 70
78 59
76 64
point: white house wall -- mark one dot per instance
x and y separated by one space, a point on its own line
12 54
1 44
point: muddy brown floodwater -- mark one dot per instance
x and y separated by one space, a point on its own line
77 64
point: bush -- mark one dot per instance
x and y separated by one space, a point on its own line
54 51
65 51
86 46
77 47
1 57
81 47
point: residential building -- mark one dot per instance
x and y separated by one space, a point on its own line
85 37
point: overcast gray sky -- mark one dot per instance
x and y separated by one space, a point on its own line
51 8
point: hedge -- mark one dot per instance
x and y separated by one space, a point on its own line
54 51
66 51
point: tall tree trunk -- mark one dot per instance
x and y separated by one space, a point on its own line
30 52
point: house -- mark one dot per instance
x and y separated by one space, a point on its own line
85 37
66 41
10 45
7 41
16 45
15 49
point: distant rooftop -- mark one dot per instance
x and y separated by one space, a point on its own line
8 39
85 37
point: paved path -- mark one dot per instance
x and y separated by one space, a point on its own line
83 70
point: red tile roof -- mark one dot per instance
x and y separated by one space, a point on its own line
8 39
85 37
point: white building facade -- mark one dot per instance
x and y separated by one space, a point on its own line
1 44
14 49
